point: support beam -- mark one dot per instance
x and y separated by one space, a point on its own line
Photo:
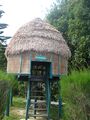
48 94
28 99
60 100
35 105
8 104
11 97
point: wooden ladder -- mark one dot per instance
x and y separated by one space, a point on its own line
38 99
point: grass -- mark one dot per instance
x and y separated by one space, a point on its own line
17 110
6 82
76 95
12 117
54 112
8 77
19 102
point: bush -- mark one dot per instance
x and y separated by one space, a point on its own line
6 82
75 93
4 86
22 89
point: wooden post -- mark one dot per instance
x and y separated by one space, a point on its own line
20 63
59 65
11 97
35 104
48 97
8 104
28 89
28 98
60 100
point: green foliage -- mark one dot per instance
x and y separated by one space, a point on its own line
6 82
2 57
3 26
17 108
54 112
8 77
19 105
54 92
19 102
2 43
21 89
75 93
4 86
72 18
12 117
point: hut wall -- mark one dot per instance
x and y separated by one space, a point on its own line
59 65
55 64
25 68
13 64
63 65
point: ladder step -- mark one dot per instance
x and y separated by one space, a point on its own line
40 109
36 91
37 96
38 115
38 102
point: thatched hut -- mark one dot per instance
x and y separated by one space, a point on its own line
37 38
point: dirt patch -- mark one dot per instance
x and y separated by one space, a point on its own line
18 111
35 119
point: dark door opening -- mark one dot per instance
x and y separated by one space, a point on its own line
40 69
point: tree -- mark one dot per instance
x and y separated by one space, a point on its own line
2 43
72 18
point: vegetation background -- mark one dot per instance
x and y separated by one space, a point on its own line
72 18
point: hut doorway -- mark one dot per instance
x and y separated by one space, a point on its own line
40 69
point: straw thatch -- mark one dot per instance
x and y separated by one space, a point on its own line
38 36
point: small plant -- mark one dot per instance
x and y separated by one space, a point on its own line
75 93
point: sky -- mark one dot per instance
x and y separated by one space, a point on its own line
19 12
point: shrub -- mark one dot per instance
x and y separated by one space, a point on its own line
22 89
75 93
6 81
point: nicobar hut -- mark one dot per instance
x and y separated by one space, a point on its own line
38 54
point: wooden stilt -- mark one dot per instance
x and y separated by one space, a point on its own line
60 100
35 105
8 104
11 97
28 98
48 97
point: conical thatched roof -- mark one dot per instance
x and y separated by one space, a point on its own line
38 35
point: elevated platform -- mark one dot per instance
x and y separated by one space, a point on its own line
26 77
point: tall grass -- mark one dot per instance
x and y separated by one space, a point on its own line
76 95
6 82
